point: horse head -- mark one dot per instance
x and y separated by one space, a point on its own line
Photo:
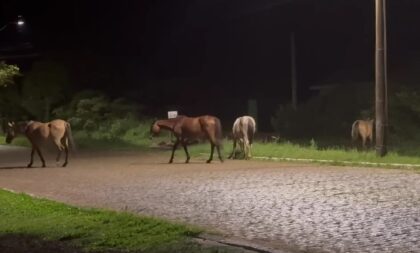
154 130
10 131
13 129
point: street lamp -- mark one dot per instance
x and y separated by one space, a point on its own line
381 100
17 44
19 22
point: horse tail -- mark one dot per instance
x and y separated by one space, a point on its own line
70 137
355 130
219 133
252 128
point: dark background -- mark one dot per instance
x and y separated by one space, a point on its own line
210 57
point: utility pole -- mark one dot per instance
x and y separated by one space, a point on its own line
380 80
293 76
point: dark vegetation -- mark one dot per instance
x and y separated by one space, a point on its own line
46 91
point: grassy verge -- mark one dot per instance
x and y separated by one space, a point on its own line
18 141
337 155
71 229
289 150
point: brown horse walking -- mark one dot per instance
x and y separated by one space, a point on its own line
57 131
186 129
362 129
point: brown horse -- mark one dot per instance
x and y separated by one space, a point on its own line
362 129
57 131
187 129
243 131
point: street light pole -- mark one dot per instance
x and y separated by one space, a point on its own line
4 27
380 80
293 74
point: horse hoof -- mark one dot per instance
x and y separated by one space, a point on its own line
187 161
43 166
64 165
29 165
208 161
170 161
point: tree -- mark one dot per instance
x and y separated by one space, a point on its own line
7 74
44 86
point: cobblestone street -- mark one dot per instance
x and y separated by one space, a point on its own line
289 206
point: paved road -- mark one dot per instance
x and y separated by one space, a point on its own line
297 207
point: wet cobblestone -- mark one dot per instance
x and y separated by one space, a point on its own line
305 208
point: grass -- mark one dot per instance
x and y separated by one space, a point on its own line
18 141
289 150
337 155
92 230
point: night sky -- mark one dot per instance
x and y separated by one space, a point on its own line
195 51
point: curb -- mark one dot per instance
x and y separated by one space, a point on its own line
404 165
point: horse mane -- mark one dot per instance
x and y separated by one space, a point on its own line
168 124
22 126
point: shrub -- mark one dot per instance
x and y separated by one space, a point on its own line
329 114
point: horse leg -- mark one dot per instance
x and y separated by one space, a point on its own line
60 150
32 157
218 153
66 149
370 141
234 149
65 142
364 143
173 150
40 156
57 159
184 144
249 150
246 149
243 150
211 153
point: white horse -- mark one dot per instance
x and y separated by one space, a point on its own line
243 131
